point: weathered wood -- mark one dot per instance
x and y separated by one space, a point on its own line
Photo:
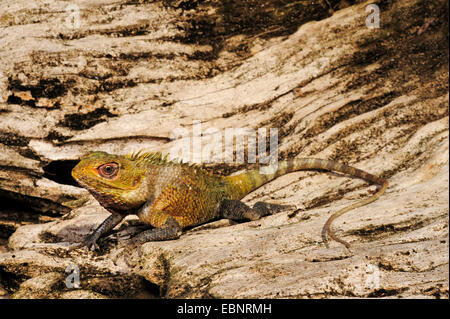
123 76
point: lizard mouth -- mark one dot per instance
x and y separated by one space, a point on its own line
91 183
95 187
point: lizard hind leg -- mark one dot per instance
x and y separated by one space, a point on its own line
238 211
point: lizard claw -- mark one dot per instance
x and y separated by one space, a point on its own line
90 243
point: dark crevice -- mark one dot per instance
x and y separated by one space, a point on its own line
117 285
373 231
6 230
95 141
12 139
18 202
164 262
13 217
10 281
60 172
136 56
28 153
115 84
125 31
386 292
49 88
150 290
56 136
84 121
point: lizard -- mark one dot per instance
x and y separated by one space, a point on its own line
171 196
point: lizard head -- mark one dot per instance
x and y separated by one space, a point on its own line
114 180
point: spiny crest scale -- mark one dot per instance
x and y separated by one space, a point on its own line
148 157
157 158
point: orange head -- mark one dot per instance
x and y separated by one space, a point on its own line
116 181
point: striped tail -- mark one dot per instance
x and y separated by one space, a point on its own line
253 179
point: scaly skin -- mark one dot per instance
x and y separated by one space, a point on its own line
171 196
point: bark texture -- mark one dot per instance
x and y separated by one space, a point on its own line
80 76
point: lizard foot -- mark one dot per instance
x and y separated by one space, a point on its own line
90 243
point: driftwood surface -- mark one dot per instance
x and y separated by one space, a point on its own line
121 76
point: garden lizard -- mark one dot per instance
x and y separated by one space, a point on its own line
171 195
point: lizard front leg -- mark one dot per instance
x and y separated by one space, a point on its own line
91 241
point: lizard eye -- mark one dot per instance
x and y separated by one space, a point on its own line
108 170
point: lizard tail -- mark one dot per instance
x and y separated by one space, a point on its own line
252 179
